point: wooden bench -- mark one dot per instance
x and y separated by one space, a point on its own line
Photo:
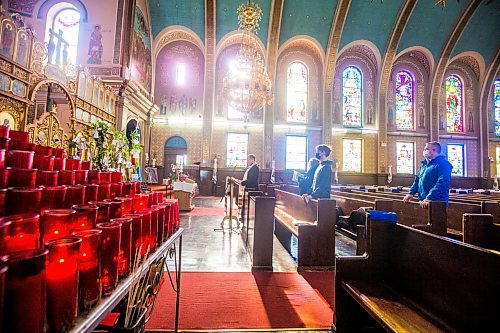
479 230
312 223
414 281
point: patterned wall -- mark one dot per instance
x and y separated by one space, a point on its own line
369 164
191 133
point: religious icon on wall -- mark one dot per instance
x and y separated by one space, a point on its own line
141 50
369 116
7 40
22 49
470 123
421 118
95 46
336 113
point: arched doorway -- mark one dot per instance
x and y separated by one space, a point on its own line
132 126
175 153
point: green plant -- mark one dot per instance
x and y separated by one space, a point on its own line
100 131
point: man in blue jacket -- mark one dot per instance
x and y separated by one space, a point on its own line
432 182
322 181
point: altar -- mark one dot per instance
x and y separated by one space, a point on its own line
184 192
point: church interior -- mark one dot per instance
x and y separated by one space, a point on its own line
131 132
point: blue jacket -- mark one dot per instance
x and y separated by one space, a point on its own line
433 180
305 181
322 182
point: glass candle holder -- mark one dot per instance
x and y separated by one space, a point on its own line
2 158
72 164
153 199
102 210
127 204
46 178
140 201
115 208
136 237
105 177
66 177
59 163
161 224
146 230
116 177
125 257
25 292
3 197
75 195
89 265
22 177
169 219
91 192
3 273
20 159
4 177
128 189
19 232
81 177
62 283
110 247
23 200
154 227
137 187
53 197
4 131
43 150
103 192
41 162
20 136
4 143
85 217
116 190
175 213
58 152
86 165
57 223
94 177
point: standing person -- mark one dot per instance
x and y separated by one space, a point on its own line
251 177
432 182
322 181
306 180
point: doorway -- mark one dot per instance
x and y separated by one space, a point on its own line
175 152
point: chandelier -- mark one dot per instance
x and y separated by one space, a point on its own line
246 86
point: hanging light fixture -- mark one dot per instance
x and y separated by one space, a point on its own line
246 86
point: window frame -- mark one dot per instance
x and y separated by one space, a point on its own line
361 92
227 149
464 157
305 153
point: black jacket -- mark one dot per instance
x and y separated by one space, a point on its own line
306 181
252 181
322 182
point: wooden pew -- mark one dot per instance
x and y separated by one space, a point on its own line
312 223
413 281
479 230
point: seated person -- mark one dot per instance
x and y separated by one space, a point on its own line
306 180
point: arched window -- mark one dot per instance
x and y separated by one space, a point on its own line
454 104
352 104
62 32
297 93
496 101
404 101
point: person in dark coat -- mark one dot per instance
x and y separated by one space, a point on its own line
322 181
306 180
251 177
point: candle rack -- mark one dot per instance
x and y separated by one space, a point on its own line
98 313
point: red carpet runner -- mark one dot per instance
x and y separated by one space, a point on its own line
263 300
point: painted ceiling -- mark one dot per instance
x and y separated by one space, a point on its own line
428 26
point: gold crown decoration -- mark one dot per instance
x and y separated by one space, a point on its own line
249 15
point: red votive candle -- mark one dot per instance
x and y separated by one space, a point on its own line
46 178
62 283
4 131
75 195
115 208
116 190
3 273
4 177
102 210
125 257
43 162
23 200
127 204
110 247
2 158
59 163
4 143
20 159
146 230
81 177
103 192
20 136
58 152
3 197
86 165
25 292
137 187
169 219
85 217
116 177
66 177
53 197
105 177
175 213
19 232
94 177
89 260
128 189
161 224
57 223
91 192
72 164
136 238
22 177
140 201
154 227
43 150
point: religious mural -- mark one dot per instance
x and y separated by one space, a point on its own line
405 159
456 156
23 7
352 155
454 106
352 97
95 46
404 100
141 50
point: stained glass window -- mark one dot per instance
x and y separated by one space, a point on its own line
237 147
405 158
454 104
498 160
496 100
67 23
404 100
352 155
297 93
456 156
352 104
296 152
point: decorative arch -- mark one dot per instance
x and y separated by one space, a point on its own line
34 89
473 60
365 47
306 42
173 147
176 33
46 5
420 54
235 37
176 141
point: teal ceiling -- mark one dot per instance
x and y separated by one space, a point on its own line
312 18
227 18
373 17
430 26
188 13
482 34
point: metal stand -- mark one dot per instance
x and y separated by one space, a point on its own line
229 212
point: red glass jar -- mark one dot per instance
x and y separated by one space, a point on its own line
91 192
125 258
59 163
116 177
86 165
20 159
19 232
46 178
136 238
53 197
62 283
110 247
104 192
43 162
153 199
150 198
89 265
115 208
102 210
58 152
22 177
137 187
75 195
66 177
146 230
94 177
4 177
4 143
105 177
43 150
3 197
154 227
128 189
85 217
20 136
72 164
81 177
161 224
4 131
140 201
23 200
57 223
2 158
3 273
25 295
175 213
116 190
169 219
